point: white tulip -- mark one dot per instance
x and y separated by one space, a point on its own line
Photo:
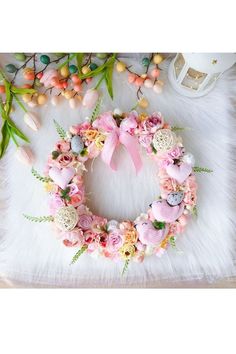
32 120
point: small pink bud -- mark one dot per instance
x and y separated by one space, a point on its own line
24 155
90 98
32 121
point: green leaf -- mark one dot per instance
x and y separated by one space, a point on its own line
79 253
99 69
61 132
19 102
84 152
108 78
125 268
39 177
159 225
22 91
194 211
96 110
5 139
48 218
201 169
72 56
79 60
153 149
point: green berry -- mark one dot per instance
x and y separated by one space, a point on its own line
20 56
55 154
45 59
101 55
10 68
37 83
145 61
73 69
93 66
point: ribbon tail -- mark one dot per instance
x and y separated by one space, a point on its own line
109 147
132 146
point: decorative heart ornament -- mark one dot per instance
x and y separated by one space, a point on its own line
61 177
148 235
162 211
180 173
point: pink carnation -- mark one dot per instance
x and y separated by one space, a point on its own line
76 129
145 139
152 123
176 152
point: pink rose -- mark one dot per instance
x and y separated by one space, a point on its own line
63 146
73 238
190 198
76 199
152 123
191 184
85 221
93 151
66 159
115 240
176 152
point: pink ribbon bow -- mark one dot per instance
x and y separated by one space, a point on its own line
118 135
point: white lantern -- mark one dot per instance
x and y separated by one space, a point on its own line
195 74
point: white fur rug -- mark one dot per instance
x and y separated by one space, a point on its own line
30 252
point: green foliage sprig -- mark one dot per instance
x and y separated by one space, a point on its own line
201 169
79 253
61 132
48 218
39 177
96 110
125 268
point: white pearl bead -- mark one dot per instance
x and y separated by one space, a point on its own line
189 159
157 88
117 112
148 83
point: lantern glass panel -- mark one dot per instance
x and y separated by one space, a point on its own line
212 79
193 79
179 64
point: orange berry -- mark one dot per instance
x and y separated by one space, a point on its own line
27 86
139 81
39 76
54 81
2 89
65 84
75 79
78 88
89 79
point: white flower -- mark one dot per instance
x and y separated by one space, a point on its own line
164 140
189 159
24 155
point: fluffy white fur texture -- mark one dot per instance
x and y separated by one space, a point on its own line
31 253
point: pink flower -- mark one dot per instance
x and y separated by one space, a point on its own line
73 238
76 129
190 198
66 159
76 199
55 202
129 124
152 123
176 152
78 180
63 146
191 184
176 228
115 240
85 221
98 224
73 189
145 139
93 151
89 236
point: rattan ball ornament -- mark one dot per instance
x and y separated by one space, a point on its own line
66 218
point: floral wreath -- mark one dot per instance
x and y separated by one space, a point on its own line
151 232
